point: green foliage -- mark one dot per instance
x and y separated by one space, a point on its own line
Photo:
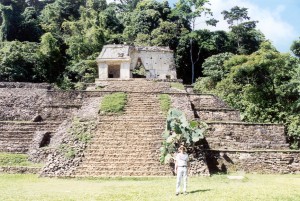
113 103
9 159
139 71
72 33
243 33
165 102
214 71
178 130
204 85
165 34
177 85
295 47
19 61
213 66
264 86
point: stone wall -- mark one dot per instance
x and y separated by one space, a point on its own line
206 101
246 136
218 115
19 104
26 85
181 102
160 61
266 162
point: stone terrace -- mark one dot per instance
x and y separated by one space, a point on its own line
17 137
128 144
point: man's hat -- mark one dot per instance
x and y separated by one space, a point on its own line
182 148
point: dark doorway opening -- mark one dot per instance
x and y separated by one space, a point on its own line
114 71
46 140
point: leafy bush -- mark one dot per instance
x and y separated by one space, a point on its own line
204 85
165 102
113 103
179 130
213 66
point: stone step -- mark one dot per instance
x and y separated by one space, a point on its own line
123 173
121 164
14 149
124 148
138 118
114 158
99 140
15 140
148 152
129 155
132 131
125 142
127 167
16 133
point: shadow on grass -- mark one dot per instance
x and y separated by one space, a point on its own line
200 190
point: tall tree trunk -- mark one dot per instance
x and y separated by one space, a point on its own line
192 61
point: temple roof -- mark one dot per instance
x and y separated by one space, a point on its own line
122 52
114 52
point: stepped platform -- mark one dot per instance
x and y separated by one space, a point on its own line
17 136
128 144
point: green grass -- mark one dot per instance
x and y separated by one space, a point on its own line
113 103
165 102
8 159
215 188
177 85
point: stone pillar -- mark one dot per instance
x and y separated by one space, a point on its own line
125 70
103 70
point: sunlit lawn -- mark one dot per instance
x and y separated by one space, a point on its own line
217 187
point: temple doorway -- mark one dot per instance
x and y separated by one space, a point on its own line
114 71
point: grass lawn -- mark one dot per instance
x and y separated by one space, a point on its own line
217 187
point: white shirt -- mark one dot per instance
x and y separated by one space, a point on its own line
182 159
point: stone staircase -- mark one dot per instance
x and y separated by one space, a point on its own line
128 144
17 137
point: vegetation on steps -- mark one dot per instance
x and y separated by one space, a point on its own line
113 103
178 130
80 132
10 159
165 102
177 85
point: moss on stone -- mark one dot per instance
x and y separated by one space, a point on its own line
165 102
113 103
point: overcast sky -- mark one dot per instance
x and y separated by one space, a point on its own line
278 19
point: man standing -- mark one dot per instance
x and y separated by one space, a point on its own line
181 169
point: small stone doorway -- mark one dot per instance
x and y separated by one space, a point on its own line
114 71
